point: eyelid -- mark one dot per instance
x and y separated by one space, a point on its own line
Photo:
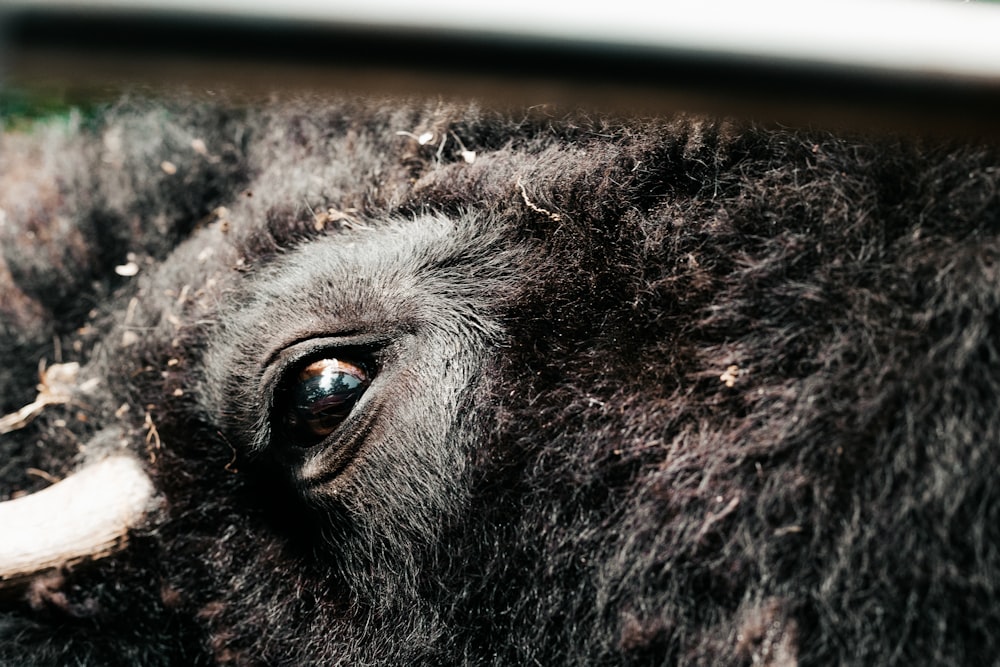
298 347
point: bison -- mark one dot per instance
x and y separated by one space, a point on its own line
423 382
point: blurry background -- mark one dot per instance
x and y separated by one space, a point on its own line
893 64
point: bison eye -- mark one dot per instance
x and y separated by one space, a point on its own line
319 396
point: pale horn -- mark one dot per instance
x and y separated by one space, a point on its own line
87 515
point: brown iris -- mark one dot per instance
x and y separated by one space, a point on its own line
321 395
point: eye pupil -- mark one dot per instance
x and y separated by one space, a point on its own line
321 396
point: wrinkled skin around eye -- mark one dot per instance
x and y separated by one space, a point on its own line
320 397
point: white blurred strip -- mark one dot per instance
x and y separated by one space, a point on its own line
941 37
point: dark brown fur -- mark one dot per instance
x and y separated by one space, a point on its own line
665 391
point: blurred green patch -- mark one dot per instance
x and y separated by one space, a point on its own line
21 108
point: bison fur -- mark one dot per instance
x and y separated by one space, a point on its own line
662 391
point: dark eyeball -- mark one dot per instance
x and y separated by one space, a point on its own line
320 396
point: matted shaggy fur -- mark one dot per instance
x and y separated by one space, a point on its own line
634 392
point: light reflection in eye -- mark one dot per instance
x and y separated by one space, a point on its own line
320 396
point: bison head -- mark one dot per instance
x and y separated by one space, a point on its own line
414 383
